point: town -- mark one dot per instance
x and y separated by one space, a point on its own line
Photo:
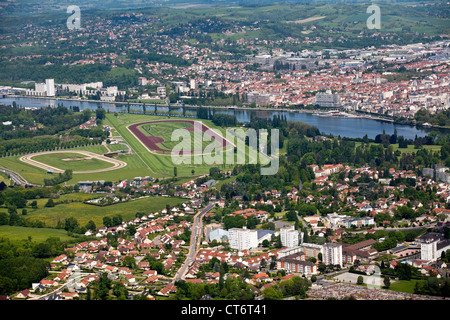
93 206
343 81
269 248
392 82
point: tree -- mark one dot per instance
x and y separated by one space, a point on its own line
71 224
101 287
387 282
272 294
120 291
252 222
404 271
360 280
321 267
116 220
50 203
129 262
107 222
34 204
278 243
91 226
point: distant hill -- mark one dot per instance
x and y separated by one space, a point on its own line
34 7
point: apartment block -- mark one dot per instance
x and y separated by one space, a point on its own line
332 254
289 237
242 239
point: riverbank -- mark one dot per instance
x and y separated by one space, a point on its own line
336 122
320 112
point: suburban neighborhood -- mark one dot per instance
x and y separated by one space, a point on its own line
146 262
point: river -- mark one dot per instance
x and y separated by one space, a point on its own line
338 126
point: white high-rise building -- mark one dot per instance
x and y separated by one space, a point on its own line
428 248
289 237
192 84
50 87
242 239
332 254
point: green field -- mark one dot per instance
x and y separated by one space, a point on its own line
117 147
4 178
72 161
15 233
404 285
153 164
31 173
164 130
409 149
140 162
134 167
85 212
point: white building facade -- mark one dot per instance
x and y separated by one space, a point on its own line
332 254
242 239
289 237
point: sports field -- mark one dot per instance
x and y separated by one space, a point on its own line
135 157
73 161
37 173
157 136
158 164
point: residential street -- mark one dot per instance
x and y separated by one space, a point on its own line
197 231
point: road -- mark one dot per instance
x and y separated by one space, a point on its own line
60 289
197 231
15 177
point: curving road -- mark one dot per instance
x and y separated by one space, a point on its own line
17 178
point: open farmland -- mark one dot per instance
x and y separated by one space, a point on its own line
16 233
85 212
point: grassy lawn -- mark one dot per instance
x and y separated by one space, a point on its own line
99 149
152 164
140 162
164 130
85 212
404 285
409 149
73 161
4 178
15 233
36 175
31 173
117 147
134 167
